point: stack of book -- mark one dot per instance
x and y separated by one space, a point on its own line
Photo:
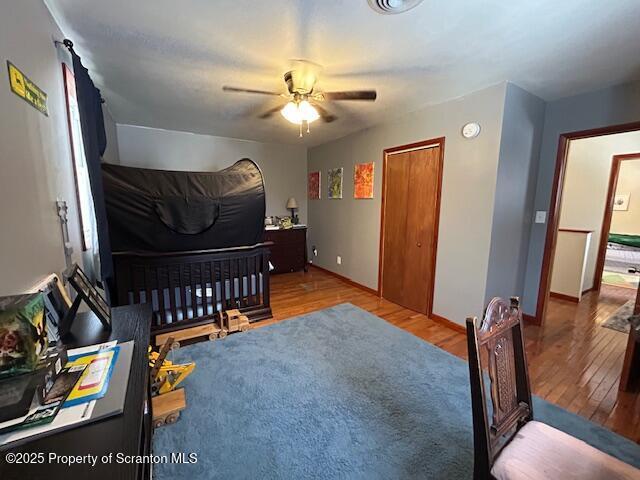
21 393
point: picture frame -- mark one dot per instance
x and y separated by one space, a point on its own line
621 202
334 180
314 185
57 304
363 180
90 295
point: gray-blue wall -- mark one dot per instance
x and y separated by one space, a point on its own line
350 228
522 127
609 106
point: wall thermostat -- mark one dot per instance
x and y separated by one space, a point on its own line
471 130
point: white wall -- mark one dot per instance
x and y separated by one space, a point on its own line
585 187
570 261
34 152
628 221
351 228
284 166
112 153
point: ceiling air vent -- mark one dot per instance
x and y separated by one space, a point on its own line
390 7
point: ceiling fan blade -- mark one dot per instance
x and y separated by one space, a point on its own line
249 90
324 114
270 112
351 95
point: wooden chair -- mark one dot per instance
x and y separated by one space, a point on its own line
512 445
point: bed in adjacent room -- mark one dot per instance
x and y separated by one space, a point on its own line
622 259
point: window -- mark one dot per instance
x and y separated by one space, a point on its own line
81 174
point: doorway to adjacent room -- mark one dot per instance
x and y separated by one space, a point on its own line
582 201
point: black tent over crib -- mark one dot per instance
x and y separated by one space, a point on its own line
189 243
171 211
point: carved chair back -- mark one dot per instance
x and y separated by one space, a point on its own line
497 342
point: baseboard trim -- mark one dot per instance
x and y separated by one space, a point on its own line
530 319
436 318
562 296
589 290
346 280
448 323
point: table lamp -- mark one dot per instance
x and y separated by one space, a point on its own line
292 205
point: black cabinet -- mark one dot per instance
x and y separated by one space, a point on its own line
128 434
289 249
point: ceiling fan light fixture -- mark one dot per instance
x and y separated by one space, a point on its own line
391 7
300 112
307 112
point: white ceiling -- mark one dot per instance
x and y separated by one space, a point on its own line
162 63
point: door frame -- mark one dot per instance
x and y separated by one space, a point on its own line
431 143
616 163
554 209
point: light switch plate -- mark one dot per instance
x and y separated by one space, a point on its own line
541 216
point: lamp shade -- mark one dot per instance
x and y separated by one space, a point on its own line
291 203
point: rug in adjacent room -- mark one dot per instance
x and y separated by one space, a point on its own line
625 280
619 320
338 393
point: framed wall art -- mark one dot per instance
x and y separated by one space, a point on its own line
334 181
363 180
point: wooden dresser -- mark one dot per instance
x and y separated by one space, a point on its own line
289 250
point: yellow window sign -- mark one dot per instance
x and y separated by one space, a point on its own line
26 89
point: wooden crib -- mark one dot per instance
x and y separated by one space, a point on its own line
188 289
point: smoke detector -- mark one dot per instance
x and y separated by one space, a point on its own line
390 7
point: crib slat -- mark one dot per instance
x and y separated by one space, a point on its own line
234 275
240 277
135 290
192 284
183 295
162 317
203 290
256 272
223 280
214 301
172 297
147 285
265 279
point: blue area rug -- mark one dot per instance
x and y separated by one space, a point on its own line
338 393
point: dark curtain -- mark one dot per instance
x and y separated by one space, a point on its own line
95 143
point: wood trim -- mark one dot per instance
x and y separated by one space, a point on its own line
346 280
448 323
584 292
562 296
440 143
529 318
575 230
616 162
434 142
554 206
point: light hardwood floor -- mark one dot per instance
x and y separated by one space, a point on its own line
573 361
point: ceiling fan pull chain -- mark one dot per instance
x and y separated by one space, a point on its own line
308 130
300 130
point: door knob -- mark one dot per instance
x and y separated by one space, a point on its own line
419 244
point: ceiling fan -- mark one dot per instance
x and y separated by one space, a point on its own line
303 105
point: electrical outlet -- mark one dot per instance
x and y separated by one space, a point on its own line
314 250
541 216
339 260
